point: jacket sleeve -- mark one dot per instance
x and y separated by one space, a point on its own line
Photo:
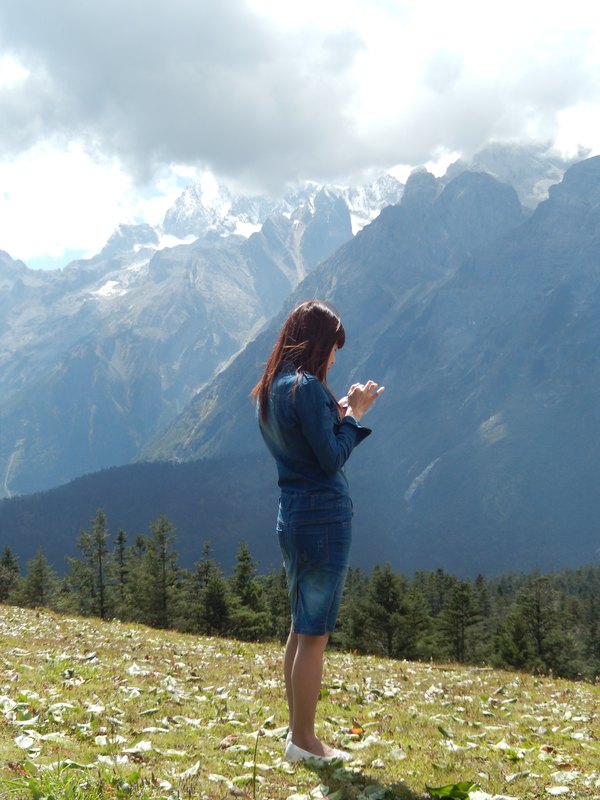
331 439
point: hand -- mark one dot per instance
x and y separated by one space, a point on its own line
361 397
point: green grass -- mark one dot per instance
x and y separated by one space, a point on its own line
90 709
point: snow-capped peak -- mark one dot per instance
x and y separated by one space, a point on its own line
207 207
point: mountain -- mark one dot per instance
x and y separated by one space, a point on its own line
405 254
481 318
391 267
100 356
531 169
205 207
483 323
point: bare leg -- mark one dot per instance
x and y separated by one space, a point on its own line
288 663
305 680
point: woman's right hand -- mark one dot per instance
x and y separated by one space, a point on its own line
361 397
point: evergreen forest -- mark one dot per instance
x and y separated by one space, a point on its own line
537 623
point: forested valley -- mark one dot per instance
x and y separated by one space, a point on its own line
538 623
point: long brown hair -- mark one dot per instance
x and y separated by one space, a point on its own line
307 338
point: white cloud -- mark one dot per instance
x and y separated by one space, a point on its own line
54 200
98 101
12 73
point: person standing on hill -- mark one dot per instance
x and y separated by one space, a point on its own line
311 436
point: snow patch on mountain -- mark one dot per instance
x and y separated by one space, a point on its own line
167 240
110 289
207 208
366 202
246 229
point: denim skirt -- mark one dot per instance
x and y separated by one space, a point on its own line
315 533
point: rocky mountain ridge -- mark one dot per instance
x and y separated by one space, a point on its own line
486 337
99 356
479 315
207 208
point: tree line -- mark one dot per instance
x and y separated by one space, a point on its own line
535 623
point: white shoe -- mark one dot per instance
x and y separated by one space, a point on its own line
294 753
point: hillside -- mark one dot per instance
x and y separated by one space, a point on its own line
198 498
98 357
481 319
485 335
97 710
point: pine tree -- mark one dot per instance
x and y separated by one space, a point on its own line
275 591
9 573
248 615
435 588
137 581
90 575
384 608
243 583
514 645
40 583
483 630
538 604
591 615
120 565
216 604
352 631
413 623
158 573
458 616
206 597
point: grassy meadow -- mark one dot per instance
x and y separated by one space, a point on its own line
92 709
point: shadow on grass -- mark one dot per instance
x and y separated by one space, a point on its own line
347 784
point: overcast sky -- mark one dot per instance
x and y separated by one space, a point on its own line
108 108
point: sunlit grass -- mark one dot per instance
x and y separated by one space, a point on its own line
106 710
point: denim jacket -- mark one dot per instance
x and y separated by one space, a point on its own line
306 435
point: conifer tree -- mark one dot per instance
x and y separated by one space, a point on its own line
248 617
458 616
40 583
90 575
591 615
352 631
537 603
9 573
413 624
158 572
216 603
483 630
137 581
120 572
514 646
244 584
435 588
208 597
276 593
384 608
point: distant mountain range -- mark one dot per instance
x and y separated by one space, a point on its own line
482 318
97 358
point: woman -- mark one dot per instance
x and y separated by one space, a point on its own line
311 436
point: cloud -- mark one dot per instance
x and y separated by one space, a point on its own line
45 207
178 81
240 87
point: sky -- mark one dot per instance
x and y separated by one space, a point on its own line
109 108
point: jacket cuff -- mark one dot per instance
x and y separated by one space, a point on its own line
361 431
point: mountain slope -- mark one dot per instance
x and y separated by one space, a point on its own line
98 357
484 325
406 253
486 339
